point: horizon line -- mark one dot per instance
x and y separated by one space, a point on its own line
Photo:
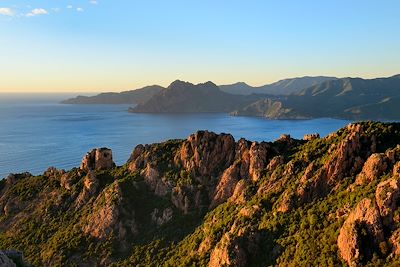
154 84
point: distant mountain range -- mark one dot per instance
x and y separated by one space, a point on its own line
127 97
186 97
298 98
282 87
352 98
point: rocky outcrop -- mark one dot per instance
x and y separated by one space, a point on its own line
98 159
227 253
361 233
236 247
226 185
206 154
310 137
395 242
284 138
67 180
258 154
345 158
374 167
251 159
136 159
159 185
215 162
396 169
90 188
211 200
239 193
107 216
275 162
189 198
387 195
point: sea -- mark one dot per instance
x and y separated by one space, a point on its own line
37 132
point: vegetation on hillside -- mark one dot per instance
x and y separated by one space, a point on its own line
55 224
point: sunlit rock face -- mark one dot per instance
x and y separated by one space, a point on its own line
98 159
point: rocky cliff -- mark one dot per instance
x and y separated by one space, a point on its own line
211 200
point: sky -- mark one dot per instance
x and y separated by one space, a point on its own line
115 45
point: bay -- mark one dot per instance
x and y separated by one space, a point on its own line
38 132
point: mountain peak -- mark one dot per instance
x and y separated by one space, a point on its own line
179 84
241 84
208 84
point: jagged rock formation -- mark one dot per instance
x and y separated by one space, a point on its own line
387 194
216 163
107 218
98 159
361 233
211 200
309 137
373 167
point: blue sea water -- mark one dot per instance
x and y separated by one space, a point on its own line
38 132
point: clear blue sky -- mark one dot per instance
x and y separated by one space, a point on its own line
105 45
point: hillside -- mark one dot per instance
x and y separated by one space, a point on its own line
127 97
212 200
138 96
349 98
186 97
282 87
346 98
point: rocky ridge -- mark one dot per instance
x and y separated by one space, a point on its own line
213 200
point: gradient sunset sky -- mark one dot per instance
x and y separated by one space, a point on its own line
105 45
